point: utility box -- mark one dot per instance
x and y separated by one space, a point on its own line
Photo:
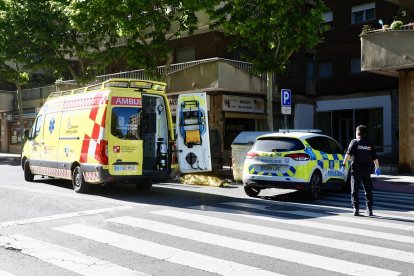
240 147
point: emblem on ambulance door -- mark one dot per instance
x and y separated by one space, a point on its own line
52 125
117 149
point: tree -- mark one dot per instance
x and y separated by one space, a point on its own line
54 43
268 32
13 54
141 28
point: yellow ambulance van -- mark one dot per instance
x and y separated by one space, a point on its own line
120 130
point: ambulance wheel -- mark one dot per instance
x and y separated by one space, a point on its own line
315 186
251 191
28 176
78 182
144 186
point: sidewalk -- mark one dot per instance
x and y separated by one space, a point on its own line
387 182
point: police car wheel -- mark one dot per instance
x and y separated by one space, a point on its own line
28 175
315 186
78 182
251 191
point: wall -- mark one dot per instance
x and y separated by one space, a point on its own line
342 43
406 107
304 115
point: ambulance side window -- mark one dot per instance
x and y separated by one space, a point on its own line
37 127
125 122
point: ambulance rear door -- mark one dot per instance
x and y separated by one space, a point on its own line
193 142
125 146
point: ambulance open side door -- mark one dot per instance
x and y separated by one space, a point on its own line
193 142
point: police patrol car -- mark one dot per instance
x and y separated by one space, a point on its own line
303 161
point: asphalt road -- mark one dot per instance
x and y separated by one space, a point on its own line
48 229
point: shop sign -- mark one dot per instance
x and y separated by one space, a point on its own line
243 104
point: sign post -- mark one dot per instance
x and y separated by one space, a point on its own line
286 102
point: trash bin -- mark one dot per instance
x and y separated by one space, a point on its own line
239 148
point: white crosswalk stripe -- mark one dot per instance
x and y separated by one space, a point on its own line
64 257
381 197
295 236
328 216
323 226
5 273
338 209
303 258
379 204
394 194
163 252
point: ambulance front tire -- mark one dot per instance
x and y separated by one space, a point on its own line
251 191
78 182
28 175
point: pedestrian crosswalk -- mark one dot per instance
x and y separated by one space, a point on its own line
259 237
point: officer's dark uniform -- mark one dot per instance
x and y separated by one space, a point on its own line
363 154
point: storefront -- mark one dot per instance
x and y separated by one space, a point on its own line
12 132
339 118
241 114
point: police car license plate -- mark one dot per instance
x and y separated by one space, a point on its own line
120 168
270 168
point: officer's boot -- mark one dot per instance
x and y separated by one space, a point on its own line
368 212
356 211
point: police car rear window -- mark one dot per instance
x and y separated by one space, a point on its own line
278 144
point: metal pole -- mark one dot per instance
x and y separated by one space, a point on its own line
269 101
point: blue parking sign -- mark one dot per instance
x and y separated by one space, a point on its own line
286 97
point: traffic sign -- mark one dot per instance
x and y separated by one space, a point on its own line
286 97
287 110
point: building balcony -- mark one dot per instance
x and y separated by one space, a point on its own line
388 51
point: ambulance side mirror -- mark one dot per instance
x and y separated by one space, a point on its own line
26 134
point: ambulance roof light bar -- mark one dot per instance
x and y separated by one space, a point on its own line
139 85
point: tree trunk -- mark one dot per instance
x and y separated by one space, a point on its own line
269 101
164 73
20 108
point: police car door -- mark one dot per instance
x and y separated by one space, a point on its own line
335 157
193 142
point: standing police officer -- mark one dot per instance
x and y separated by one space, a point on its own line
363 154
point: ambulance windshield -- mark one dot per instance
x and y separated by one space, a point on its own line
125 123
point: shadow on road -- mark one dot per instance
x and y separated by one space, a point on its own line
11 161
282 206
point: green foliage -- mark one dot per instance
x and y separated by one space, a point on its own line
137 31
396 25
268 32
366 29
45 38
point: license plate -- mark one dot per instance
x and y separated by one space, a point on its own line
270 168
120 168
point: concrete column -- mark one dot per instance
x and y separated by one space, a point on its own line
406 124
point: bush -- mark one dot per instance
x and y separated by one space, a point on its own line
366 29
396 25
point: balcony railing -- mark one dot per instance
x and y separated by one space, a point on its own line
407 27
140 74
